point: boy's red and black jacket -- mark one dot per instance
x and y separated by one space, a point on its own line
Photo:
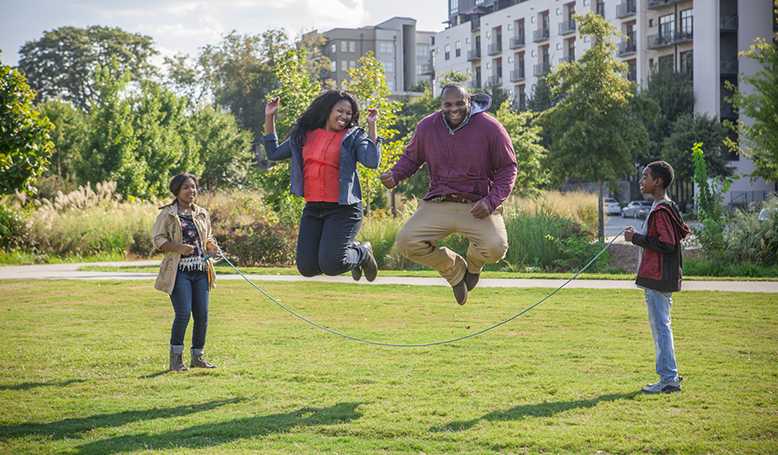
661 263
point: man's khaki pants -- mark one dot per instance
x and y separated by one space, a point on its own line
434 221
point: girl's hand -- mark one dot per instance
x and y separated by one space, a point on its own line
271 108
372 115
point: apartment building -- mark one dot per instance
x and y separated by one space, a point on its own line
405 52
510 44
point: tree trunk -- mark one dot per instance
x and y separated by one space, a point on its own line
600 217
393 202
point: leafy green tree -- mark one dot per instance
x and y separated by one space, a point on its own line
25 142
69 136
367 83
760 107
239 73
296 90
62 63
530 153
541 96
223 148
688 130
594 134
452 77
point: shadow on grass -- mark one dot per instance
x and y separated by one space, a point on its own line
533 410
213 434
34 385
72 427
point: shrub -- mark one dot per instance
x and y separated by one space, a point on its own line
13 232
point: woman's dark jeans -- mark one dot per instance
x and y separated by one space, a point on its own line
190 296
325 243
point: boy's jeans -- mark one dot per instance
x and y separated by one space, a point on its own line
659 304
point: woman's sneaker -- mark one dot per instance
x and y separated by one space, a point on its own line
369 266
664 386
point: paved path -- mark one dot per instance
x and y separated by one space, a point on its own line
71 272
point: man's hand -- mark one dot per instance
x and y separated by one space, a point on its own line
629 232
388 180
481 209
185 250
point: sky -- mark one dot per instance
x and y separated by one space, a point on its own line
183 26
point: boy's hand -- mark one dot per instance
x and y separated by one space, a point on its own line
628 233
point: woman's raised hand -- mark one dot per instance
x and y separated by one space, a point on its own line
372 115
272 106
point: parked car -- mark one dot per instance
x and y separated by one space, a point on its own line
636 209
611 206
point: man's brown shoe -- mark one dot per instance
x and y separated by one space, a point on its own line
471 280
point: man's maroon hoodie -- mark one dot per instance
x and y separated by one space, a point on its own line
662 262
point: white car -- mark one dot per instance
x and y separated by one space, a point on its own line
611 206
637 209
765 213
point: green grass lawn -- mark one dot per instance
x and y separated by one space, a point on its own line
220 268
83 372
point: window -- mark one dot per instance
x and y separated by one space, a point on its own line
344 46
458 48
453 7
388 67
333 66
687 22
632 70
447 52
385 47
666 63
687 62
333 48
667 26
352 64
352 46
343 65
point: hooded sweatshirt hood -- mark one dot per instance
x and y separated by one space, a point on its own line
480 102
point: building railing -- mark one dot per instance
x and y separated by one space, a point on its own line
569 58
474 54
425 68
728 23
627 47
495 48
517 75
669 39
729 67
494 81
540 35
567 27
626 9
519 104
652 4
517 42
541 69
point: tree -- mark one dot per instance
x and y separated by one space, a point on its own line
453 77
530 153
541 96
137 139
62 63
593 132
239 73
70 127
668 96
688 130
25 142
223 148
368 84
296 90
760 107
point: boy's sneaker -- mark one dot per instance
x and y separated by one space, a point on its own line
664 386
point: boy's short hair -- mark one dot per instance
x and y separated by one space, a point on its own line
663 170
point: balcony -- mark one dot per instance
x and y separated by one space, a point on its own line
541 69
668 39
494 81
569 58
495 48
627 47
475 24
728 24
517 42
519 104
599 8
729 67
626 9
567 27
655 4
517 75
474 54
632 75
540 35
425 69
